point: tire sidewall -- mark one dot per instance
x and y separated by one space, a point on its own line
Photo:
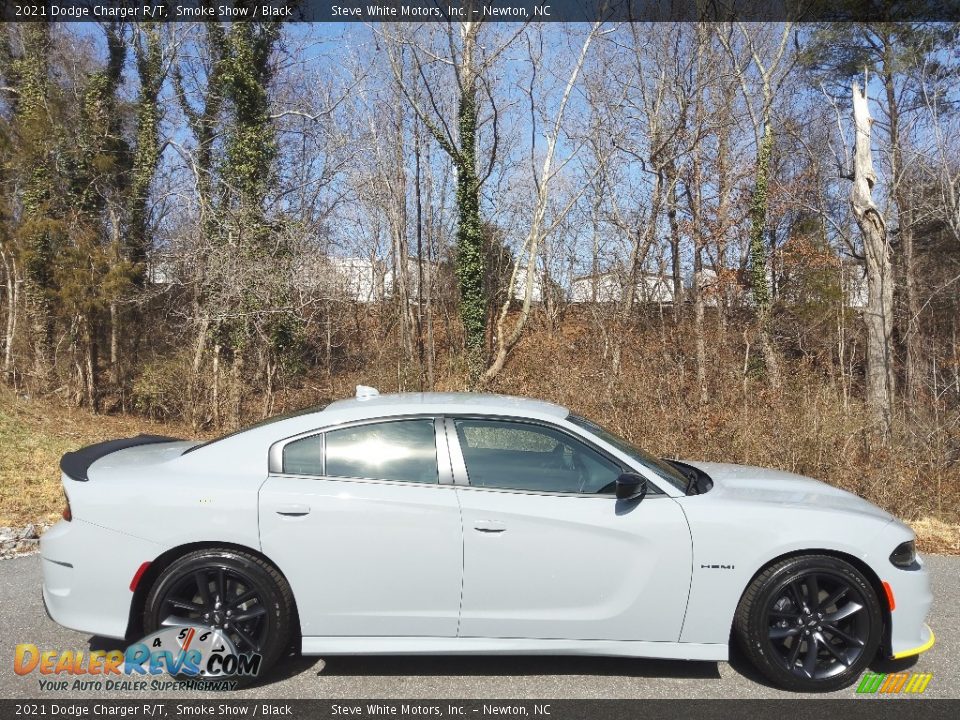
774 587
277 617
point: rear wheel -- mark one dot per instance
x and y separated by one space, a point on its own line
238 593
810 623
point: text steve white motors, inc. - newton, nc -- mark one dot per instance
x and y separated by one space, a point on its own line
373 10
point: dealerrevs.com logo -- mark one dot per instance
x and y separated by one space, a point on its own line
197 657
894 683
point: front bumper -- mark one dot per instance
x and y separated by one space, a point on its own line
908 633
87 571
926 645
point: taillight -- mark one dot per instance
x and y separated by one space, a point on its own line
67 514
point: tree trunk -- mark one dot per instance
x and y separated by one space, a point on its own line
194 383
418 204
911 305
675 271
236 389
759 283
470 255
215 399
878 315
397 217
428 298
693 188
12 286
114 346
536 234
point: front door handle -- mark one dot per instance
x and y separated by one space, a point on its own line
293 510
489 526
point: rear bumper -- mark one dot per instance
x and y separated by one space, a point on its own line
87 571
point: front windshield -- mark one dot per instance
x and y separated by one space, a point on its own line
662 468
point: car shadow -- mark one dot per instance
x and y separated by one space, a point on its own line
502 665
102 644
742 666
474 666
287 667
889 665
294 664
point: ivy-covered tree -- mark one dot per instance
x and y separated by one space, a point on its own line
151 72
31 161
469 62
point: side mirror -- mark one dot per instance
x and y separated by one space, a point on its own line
631 486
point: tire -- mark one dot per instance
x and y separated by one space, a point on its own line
807 648
268 630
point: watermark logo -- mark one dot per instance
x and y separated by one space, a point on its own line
191 652
182 651
894 683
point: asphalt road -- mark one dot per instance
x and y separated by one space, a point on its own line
22 619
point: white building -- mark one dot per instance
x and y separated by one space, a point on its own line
361 280
520 286
608 288
357 279
413 278
853 282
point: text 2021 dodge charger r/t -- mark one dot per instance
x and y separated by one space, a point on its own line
461 523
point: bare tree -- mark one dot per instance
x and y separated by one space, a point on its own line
458 133
539 228
771 70
878 314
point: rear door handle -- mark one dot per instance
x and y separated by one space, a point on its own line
489 526
293 510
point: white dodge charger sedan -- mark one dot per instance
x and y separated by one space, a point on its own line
465 524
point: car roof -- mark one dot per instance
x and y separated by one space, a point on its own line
452 402
372 405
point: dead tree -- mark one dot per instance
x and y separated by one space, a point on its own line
878 315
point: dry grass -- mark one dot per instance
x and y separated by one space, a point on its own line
936 536
807 426
34 433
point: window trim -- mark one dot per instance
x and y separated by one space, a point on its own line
462 477
445 476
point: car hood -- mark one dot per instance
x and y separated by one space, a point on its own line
777 487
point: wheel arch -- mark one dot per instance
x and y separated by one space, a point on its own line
858 563
166 558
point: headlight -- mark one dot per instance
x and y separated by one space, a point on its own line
904 555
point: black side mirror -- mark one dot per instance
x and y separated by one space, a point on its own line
631 486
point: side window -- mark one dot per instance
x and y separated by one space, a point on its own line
522 456
304 457
401 450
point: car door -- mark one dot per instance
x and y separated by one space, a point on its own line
366 527
549 552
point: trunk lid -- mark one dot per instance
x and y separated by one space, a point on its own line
142 449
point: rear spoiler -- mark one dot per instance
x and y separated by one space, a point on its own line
75 464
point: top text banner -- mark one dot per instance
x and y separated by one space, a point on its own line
480 10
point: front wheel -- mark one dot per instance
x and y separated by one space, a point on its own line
234 592
810 623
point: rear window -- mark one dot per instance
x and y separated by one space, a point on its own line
398 450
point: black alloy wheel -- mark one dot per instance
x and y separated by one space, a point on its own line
810 623
222 598
237 593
